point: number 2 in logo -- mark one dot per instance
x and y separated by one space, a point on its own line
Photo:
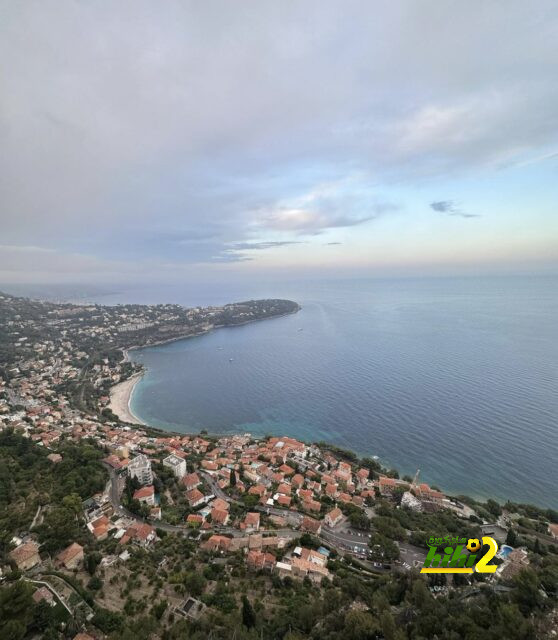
482 565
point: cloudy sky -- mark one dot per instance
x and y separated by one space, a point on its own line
174 140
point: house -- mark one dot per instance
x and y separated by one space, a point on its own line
284 489
139 532
221 504
514 563
334 517
358 501
425 493
251 522
553 530
71 557
288 471
140 469
311 525
83 636
208 465
386 485
297 480
216 543
145 495
176 464
284 501
260 560
195 497
54 457
194 520
257 490
220 517
362 476
312 505
99 528
26 556
191 481
311 555
44 594
302 568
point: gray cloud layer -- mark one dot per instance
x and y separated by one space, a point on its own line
176 132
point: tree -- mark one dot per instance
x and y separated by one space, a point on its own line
91 562
159 609
527 593
194 583
248 614
511 538
360 625
390 631
493 507
13 630
16 608
72 502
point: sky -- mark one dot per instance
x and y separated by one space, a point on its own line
218 140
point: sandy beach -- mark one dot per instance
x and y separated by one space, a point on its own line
120 399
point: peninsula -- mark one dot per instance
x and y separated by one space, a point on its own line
78 354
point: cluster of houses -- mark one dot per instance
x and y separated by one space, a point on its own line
26 555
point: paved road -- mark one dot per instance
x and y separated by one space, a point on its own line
411 555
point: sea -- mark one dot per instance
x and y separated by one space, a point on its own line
455 377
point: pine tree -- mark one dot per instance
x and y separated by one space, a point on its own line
248 614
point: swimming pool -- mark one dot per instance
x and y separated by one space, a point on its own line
505 551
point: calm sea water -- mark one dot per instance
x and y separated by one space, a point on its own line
457 377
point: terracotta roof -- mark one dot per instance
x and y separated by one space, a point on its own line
284 488
310 524
43 594
144 492
190 480
286 469
194 517
334 514
220 504
252 518
195 495
70 552
219 516
24 552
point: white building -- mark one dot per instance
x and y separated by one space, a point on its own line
176 464
408 500
140 468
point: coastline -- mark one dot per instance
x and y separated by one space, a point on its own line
202 332
120 396
121 393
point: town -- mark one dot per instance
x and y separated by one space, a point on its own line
118 519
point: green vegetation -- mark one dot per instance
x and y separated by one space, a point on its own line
29 480
136 600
